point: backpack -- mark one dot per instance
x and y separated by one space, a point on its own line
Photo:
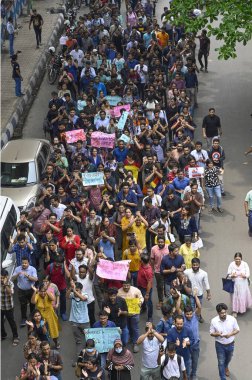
165 364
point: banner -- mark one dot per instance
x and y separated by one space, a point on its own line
133 305
124 138
196 172
122 121
113 100
102 140
113 270
104 337
115 112
93 179
73 136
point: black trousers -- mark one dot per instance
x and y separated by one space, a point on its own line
9 315
91 313
204 54
24 297
38 32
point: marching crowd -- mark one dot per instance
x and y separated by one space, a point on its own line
146 209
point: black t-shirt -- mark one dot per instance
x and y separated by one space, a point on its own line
120 303
15 67
37 20
211 125
173 204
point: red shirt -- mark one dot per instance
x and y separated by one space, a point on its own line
57 276
145 274
70 248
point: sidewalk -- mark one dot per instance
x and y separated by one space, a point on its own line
32 64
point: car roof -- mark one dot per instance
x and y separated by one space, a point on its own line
21 150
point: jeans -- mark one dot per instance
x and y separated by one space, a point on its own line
221 179
250 221
204 54
197 219
167 289
188 367
38 32
224 356
149 303
133 326
134 278
18 86
192 94
11 44
63 301
150 373
160 286
194 351
211 191
24 297
9 315
79 336
125 335
193 303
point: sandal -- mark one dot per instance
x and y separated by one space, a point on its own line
15 342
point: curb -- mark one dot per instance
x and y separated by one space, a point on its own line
36 77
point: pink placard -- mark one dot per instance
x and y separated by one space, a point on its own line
113 270
102 140
115 112
73 136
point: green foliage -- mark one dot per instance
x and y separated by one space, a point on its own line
230 21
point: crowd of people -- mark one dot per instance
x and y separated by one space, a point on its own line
147 210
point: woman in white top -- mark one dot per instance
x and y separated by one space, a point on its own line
239 271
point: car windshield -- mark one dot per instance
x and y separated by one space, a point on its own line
18 174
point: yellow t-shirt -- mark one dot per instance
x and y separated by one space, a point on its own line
163 38
135 259
188 253
140 232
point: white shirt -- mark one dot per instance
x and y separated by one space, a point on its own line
102 123
150 352
10 28
225 327
156 200
172 367
202 154
79 55
87 287
198 280
91 70
142 71
76 263
58 210
63 40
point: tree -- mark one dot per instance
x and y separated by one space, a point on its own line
230 21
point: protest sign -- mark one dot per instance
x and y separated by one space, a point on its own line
115 112
104 337
133 305
196 172
124 138
113 270
102 140
113 100
92 179
122 121
73 136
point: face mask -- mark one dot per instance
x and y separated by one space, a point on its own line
118 350
89 349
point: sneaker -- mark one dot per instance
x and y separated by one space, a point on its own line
15 342
202 68
135 349
211 210
220 210
23 323
64 317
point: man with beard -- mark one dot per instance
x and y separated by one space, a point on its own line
199 281
223 328
151 341
173 204
217 155
200 154
211 127
183 338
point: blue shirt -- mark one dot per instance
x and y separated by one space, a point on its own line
22 281
193 325
130 197
21 252
79 310
172 336
180 184
108 248
120 155
100 87
109 324
164 326
168 262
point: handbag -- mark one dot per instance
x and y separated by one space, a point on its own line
228 285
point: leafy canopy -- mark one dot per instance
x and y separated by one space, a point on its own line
232 21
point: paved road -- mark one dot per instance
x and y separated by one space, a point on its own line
227 86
